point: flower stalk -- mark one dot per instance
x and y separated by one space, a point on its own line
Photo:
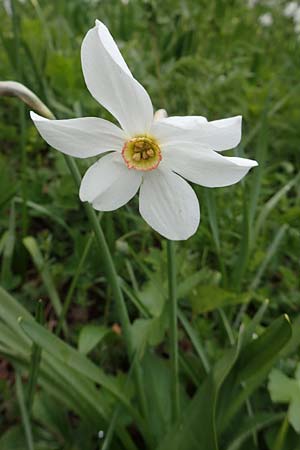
173 331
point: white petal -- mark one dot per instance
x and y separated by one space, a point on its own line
168 134
218 135
109 184
169 205
111 83
223 134
206 168
187 122
82 138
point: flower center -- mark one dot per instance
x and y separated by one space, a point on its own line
141 153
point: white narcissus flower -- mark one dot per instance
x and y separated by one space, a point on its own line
290 9
146 155
266 20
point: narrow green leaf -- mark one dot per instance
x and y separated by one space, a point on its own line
63 382
272 203
195 340
36 353
32 247
8 249
271 251
73 284
72 358
24 412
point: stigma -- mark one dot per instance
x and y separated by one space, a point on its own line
141 153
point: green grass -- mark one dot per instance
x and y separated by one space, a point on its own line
194 57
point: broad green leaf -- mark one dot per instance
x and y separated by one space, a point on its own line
254 424
294 343
72 358
13 439
148 331
52 414
63 383
156 381
287 390
12 335
153 297
90 336
263 351
208 298
282 388
251 368
294 413
10 311
188 284
196 428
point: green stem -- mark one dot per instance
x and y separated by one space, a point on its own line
173 330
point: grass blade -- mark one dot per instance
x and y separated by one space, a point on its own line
73 284
24 412
37 257
35 360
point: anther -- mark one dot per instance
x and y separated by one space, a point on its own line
139 145
141 153
136 157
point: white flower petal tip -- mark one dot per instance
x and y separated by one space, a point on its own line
217 135
206 167
222 134
108 184
160 114
82 138
111 83
169 205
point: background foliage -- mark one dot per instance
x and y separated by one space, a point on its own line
195 57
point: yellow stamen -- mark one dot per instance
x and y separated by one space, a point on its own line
141 153
136 157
